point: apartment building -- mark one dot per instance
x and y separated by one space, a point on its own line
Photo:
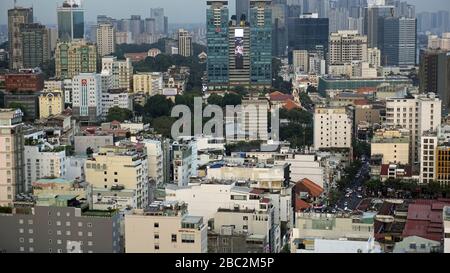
155 160
116 98
392 145
165 227
75 57
149 83
332 128
121 71
87 97
346 47
106 39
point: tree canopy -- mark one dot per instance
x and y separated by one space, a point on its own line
119 114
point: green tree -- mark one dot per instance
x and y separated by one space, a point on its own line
119 114
215 99
157 106
163 125
231 99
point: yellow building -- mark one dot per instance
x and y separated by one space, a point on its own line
120 168
392 144
148 83
165 228
443 165
51 103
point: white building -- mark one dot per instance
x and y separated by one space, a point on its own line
121 70
87 96
184 161
185 43
304 166
374 57
428 144
106 39
43 160
446 219
154 159
346 47
418 114
75 168
332 128
68 91
115 98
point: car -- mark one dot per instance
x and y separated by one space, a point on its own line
359 196
333 211
345 204
347 195
346 209
359 188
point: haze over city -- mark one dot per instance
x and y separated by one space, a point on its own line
193 10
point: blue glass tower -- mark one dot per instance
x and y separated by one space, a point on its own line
260 43
217 17
70 21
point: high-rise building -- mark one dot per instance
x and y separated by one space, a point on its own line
347 46
260 43
374 23
300 60
279 30
374 57
239 57
149 83
185 43
308 32
136 26
87 97
217 16
399 48
418 114
12 179
158 15
332 128
242 8
73 58
16 17
106 39
150 26
70 20
121 71
35 45
434 75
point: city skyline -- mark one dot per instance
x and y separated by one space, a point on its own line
45 10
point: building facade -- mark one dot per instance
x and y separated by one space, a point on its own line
106 39
73 58
332 128
87 97
70 21
17 17
36 49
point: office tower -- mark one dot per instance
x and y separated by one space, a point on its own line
12 180
185 43
73 58
70 20
150 26
242 8
136 26
279 29
239 57
308 32
35 45
106 39
87 97
16 17
418 114
347 46
158 15
260 43
373 23
399 47
434 75
332 128
166 25
217 42
339 19
402 8
121 71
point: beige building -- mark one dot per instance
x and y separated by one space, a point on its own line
106 39
120 168
300 59
367 113
12 179
185 43
332 128
51 103
121 71
149 83
346 47
165 228
58 186
374 57
75 57
392 144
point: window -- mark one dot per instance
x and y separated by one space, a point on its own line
80 224
21 230
90 243
68 233
156 236
31 249
174 238
58 223
59 251
21 239
30 231
188 238
58 232
245 218
31 240
30 222
80 233
67 224
50 250
58 242
21 221
89 224
90 234
156 247
156 225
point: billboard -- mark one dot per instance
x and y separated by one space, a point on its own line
239 48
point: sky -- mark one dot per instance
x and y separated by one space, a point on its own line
178 11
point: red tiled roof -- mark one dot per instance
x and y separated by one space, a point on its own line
301 205
361 102
385 168
290 104
256 191
278 96
307 185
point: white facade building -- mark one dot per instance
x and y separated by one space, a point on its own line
87 96
115 98
121 70
332 128
154 159
106 39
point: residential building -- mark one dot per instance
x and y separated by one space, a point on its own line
70 21
106 39
75 57
300 60
36 49
418 114
12 176
374 57
184 161
60 225
43 160
185 43
155 160
428 158
120 168
149 83
51 103
416 244
115 98
392 145
165 228
16 17
332 128
87 97
121 70
346 47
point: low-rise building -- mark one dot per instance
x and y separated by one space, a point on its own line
51 103
392 144
116 98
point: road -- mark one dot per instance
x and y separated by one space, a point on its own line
352 201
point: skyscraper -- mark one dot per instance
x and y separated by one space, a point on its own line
106 39
70 20
185 43
434 75
260 43
399 41
242 8
279 30
347 46
217 42
35 45
373 23
158 15
16 17
239 49
308 32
